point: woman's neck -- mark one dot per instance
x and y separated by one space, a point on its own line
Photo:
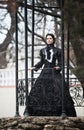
50 45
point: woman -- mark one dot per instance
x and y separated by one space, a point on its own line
45 97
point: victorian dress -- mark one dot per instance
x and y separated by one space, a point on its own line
45 97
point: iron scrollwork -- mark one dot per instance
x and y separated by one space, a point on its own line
76 92
21 92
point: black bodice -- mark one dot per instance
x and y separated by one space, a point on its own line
50 57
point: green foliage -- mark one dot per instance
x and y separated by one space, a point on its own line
74 13
79 71
74 16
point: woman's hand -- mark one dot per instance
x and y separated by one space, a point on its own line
31 68
57 67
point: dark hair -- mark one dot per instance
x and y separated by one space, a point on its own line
52 35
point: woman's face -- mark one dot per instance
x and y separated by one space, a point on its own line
49 39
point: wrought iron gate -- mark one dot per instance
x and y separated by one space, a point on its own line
22 89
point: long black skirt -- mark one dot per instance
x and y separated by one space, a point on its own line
45 97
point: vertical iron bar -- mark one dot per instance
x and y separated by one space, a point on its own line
68 55
62 45
16 38
32 63
26 62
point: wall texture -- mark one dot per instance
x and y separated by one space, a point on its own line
42 123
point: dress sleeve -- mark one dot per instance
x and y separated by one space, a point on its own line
59 58
40 63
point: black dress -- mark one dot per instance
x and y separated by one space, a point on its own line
45 97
